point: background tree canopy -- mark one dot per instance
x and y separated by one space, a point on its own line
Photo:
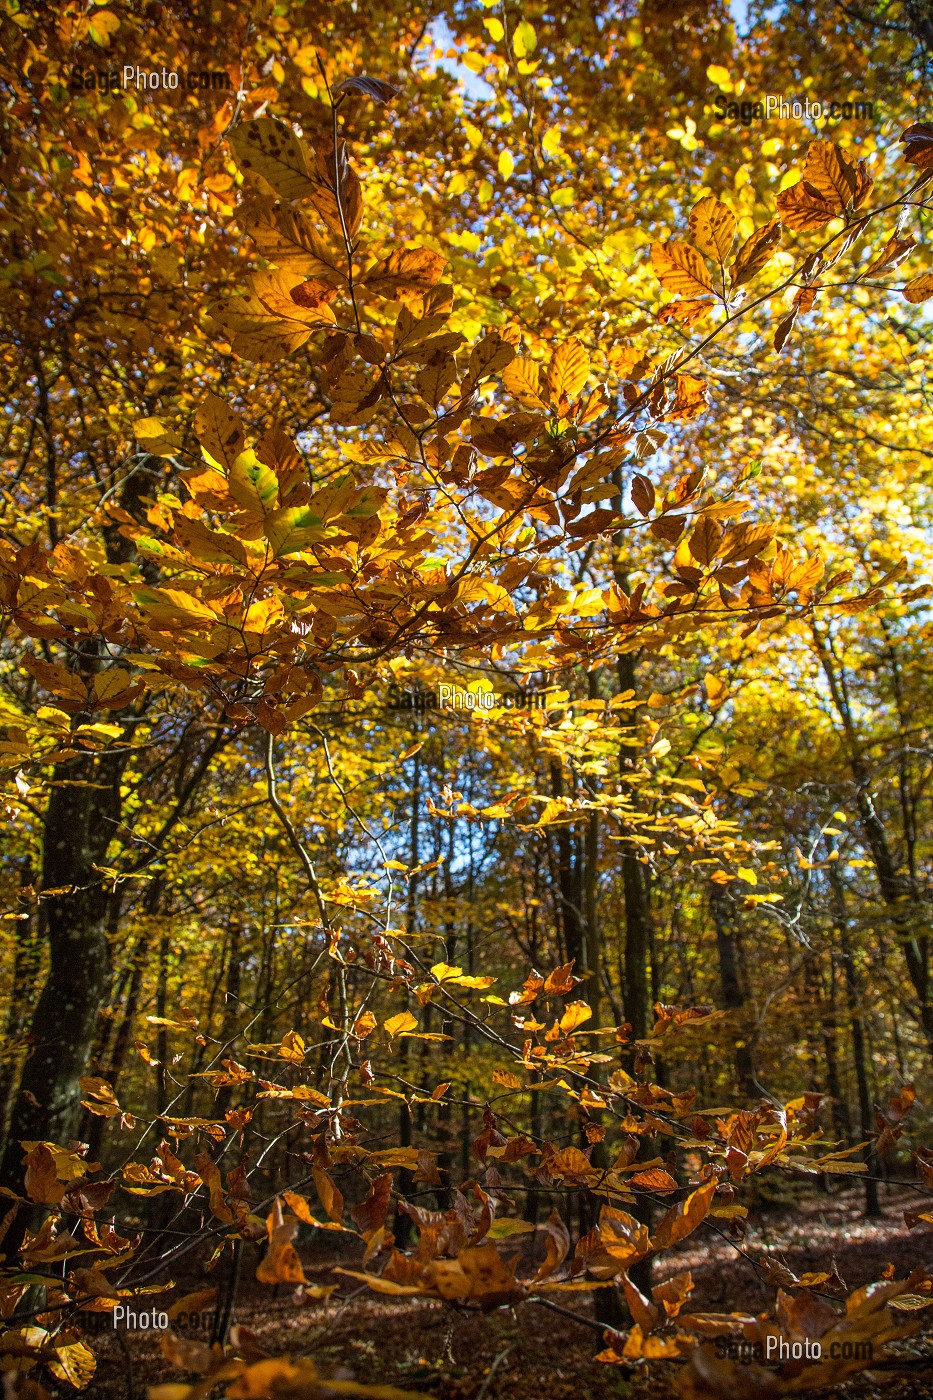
465 697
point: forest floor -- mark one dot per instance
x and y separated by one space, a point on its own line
537 1354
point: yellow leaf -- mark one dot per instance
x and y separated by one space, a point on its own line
404 1021
154 437
291 530
102 25
550 141
109 685
219 431
506 164
524 39
268 322
568 370
745 873
445 973
680 268
716 689
524 379
169 608
253 485
269 148
292 1048
576 1013
712 227
382 1285
74 1362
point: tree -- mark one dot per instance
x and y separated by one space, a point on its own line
340 385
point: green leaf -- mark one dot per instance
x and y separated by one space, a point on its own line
253 485
289 531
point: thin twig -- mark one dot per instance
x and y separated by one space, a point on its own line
480 1394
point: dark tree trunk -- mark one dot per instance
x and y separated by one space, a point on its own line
569 880
636 984
402 1225
732 996
859 1053
80 820
898 886
27 965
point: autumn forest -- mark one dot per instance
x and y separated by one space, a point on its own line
466 699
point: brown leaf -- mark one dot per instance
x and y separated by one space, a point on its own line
42 1183
410 271
313 293
654 1179
337 195
623 1238
756 252
839 180
668 527
629 363
557 1246
370 1214
673 1293
784 329
570 1164
643 494
803 208
706 540
210 1175
918 145
644 1313
920 289
690 398
375 88
532 986
893 252
281 1263
686 310
186 1354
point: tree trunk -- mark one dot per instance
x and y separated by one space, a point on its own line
402 1226
732 997
854 1004
27 966
80 820
898 888
635 987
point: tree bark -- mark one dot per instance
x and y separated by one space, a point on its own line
80 820
732 996
27 967
898 888
854 1004
635 987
